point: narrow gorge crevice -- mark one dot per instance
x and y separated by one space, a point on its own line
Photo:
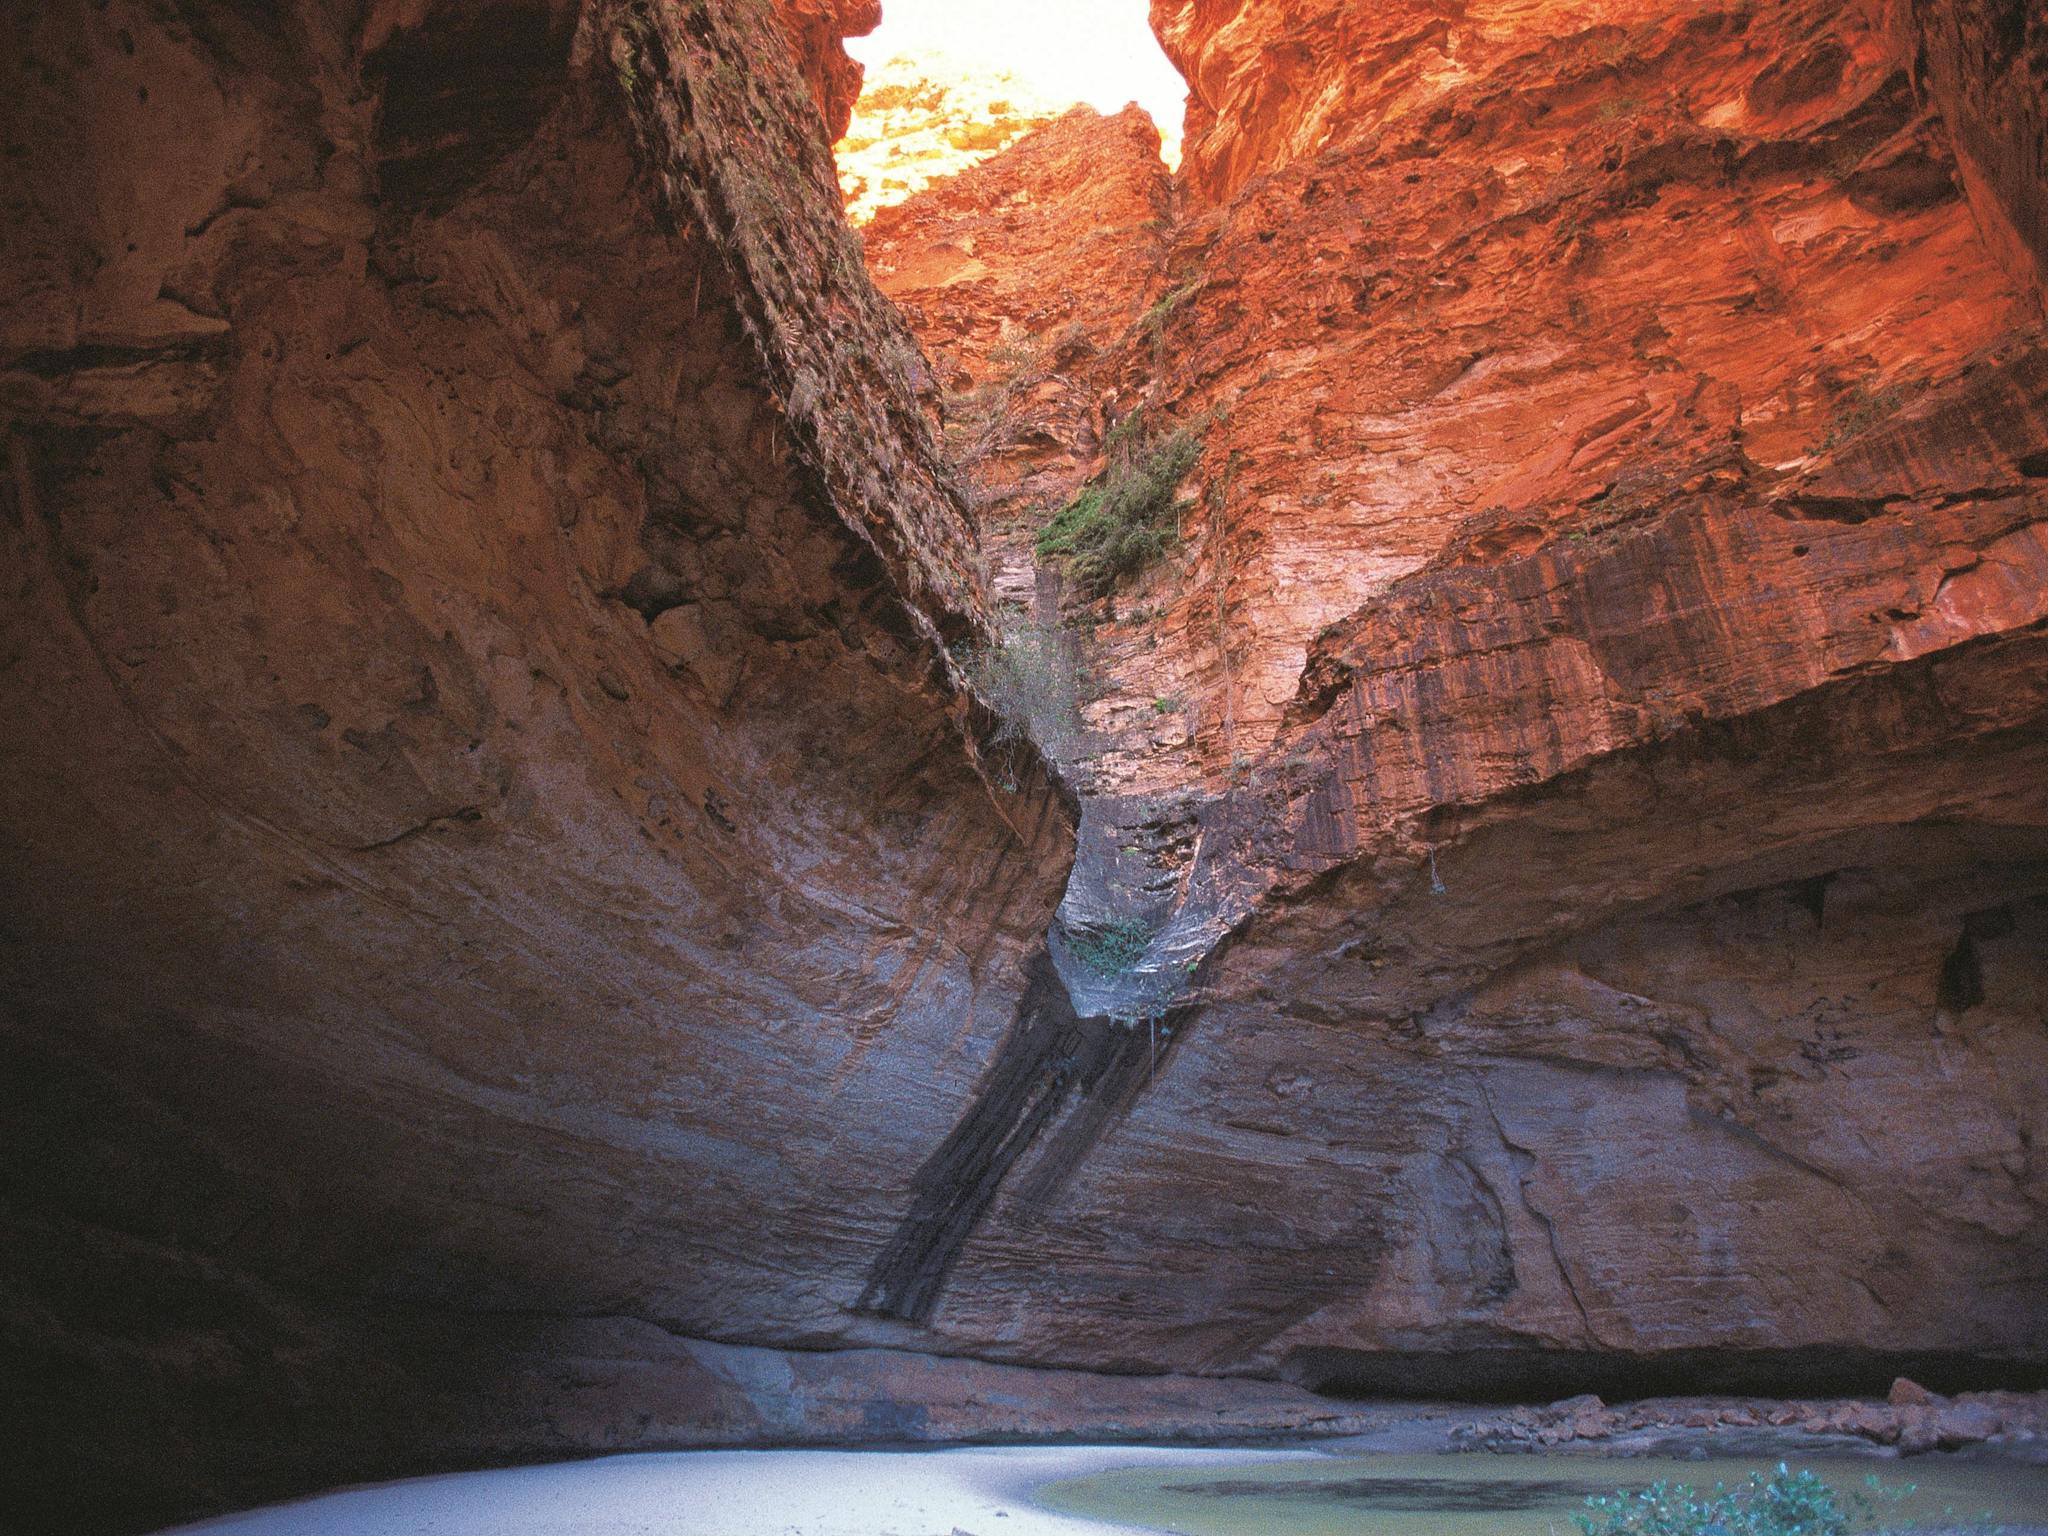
1404 657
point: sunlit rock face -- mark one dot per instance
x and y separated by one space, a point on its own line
1591 736
1548 273
924 119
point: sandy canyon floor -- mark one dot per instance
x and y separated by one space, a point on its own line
1088 1490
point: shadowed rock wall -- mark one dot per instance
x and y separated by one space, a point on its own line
488 825
1986 63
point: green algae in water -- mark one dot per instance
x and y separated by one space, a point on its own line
1481 1495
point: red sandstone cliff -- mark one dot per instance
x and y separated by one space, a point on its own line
1027 278
503 877
1986 65
1609 622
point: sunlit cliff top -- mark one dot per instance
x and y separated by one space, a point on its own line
923 118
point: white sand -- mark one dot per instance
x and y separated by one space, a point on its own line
729 1493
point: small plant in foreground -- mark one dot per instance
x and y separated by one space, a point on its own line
1787 1503
1125 520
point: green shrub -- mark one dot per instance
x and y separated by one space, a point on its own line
1154 321
1114 948
1787 1503
1125 520
1029 677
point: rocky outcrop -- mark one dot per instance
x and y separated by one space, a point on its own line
1270 84
927 119
1500 328
623 1385
816 28
1028 280
1912 1418
1985 62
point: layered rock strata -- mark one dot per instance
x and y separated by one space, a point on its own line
1028 279
1910 1418
1986 64
1593 902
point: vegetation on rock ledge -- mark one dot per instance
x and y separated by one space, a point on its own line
1124 520
1029 677
1114 948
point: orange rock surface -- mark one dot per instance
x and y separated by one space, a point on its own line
1655 251
1030 340
1584 773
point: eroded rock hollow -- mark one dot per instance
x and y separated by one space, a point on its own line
525 927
